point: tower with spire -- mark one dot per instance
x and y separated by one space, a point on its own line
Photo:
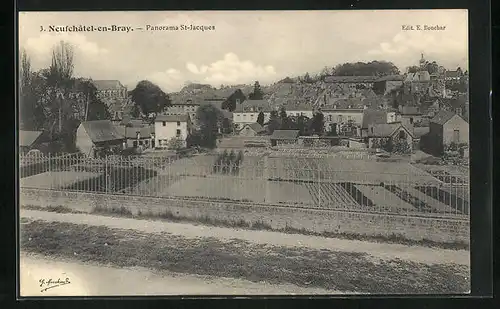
422 61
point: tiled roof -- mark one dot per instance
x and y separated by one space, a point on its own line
373 116
172 118
387 129
420 76
255 126
410 110
442 117
101 131
28 138
131 132
391 78
351 79
253 105
285 134
108 84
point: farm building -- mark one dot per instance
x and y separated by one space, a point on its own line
168 127
284 137
98 137
391 134
29 140
447 128
248 111
139 136
252 129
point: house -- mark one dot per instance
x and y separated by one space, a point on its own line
386 84
453 75
299 109
284 137
447 128
248 112
137 136
350 83
393 134
98 137
417 82
372 117
410 114
168 127
29 140
252 129
110 89
234 99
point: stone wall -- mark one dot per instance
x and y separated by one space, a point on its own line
438 229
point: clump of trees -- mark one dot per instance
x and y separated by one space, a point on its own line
257 93
209 119
149 99
373 68
55 101
228 162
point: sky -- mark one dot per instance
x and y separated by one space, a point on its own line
244 46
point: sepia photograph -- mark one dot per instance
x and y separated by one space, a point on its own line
243 153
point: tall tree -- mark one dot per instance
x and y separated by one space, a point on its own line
260 118
273 123
373 68
31 113
208 118
318 124
150 98
257 93
285 123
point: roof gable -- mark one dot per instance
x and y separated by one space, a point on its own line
253 106
373 116
254 126
442 117
101 131
108 84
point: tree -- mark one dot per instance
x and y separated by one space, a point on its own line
373 68
226 126
274 123
413 69
257 93
432 67
31 112
324 72
150 98
208 117
317 124
260 118
175 143
285 123
302 124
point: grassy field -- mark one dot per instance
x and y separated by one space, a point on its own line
56 180
301 266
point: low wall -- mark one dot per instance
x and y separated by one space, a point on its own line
442 230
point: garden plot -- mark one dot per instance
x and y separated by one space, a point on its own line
383 198
218 187
56 180
331 195
155 185
435 204
347 170
289 193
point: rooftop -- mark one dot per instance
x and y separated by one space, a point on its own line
101 131
351 79
387 129
108 84
172 118
253 106
373 116
131 132
442 117
255 126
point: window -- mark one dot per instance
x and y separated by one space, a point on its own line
456 136
402 134
411 119
135 144
372 129
178 123
178 133
140 143
164 123
329 117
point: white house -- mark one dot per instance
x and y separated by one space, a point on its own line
168 127
248 112
299 110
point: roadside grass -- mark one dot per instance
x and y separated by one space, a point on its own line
342 271
168 215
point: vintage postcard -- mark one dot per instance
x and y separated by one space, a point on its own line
243 152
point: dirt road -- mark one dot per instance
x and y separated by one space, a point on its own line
376 250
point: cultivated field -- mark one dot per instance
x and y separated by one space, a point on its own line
333 183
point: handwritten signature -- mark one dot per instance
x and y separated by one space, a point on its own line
47 284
